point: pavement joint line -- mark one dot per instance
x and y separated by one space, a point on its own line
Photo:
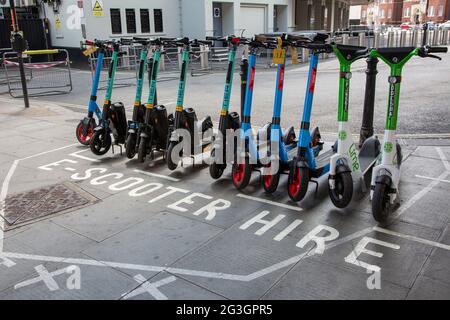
278 204
428 188
157 175
434 179
220 275
413 238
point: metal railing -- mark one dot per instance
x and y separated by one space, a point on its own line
49 77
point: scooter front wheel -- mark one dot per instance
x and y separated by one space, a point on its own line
130 145
298 183
342 193
380 202
241 174
100 142
216 170
271 180
79 132
142 149
170 161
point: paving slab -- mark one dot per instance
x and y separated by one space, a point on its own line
429 289
158 241
439 260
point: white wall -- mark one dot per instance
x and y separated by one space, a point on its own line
100 27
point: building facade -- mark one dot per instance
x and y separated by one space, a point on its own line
394 12
70 21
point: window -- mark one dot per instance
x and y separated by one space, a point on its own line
407 12
116 24
431 11
364 14
440 10
390 13
145 21
382 13
131 20
158 18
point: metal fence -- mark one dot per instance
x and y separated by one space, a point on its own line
50 77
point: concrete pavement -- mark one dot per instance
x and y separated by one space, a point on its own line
144 232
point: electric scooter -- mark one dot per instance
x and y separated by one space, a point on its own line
242 168
347 163
132 140
85 128
113 119
227 120
154 132
286 141
186 118
386 175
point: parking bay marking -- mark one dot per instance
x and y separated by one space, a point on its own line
157 175
274 203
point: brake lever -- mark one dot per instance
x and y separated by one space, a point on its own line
433 56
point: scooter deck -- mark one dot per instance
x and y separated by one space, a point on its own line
323 158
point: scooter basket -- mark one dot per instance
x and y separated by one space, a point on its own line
118 121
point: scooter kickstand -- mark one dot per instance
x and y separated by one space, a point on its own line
317 186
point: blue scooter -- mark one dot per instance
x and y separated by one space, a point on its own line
310 161
85 128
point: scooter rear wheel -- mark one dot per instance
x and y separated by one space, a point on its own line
270 181
380 202
216 170
241 174
142 149
100 142
130 145
342 194
298 185
79 132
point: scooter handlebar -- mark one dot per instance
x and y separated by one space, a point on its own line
437 49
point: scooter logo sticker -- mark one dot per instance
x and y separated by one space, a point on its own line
312 83
388 147
342 135
354 157
252 78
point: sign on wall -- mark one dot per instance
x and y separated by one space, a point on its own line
97 8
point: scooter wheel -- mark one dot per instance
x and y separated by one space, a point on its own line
241 174
170 163
298 185
100 142
142 149
270 181
84 139
380 202
130 145
342 194
216 170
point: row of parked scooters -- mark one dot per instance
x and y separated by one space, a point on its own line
152 130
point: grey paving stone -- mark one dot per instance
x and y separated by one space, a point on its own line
429 289
95 283
240 252
438 263
176 289
398 266
430 152
159 241
314 280
106 218
47 238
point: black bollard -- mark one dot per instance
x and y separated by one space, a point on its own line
369 100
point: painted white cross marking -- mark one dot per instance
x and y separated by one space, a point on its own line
45 276
151 288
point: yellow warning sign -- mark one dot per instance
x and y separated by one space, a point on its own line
294 55
58 23
278 56
97 8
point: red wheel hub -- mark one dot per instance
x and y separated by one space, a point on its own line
267 178
82 137
238 174
294 186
